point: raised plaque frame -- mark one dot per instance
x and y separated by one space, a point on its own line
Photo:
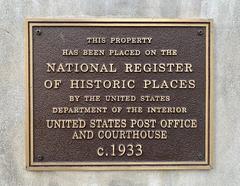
206 164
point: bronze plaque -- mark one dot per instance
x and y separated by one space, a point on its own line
110 94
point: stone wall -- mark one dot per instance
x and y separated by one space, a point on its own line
226 15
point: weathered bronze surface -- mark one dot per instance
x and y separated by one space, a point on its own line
118 94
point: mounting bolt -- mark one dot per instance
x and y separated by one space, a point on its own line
200 156
40 157
200 32
38 32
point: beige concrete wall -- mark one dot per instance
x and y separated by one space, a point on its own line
226 15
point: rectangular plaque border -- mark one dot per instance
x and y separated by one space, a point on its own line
170 165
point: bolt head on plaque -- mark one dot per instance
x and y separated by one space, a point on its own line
38 32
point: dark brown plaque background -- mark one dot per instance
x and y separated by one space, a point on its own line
54 148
